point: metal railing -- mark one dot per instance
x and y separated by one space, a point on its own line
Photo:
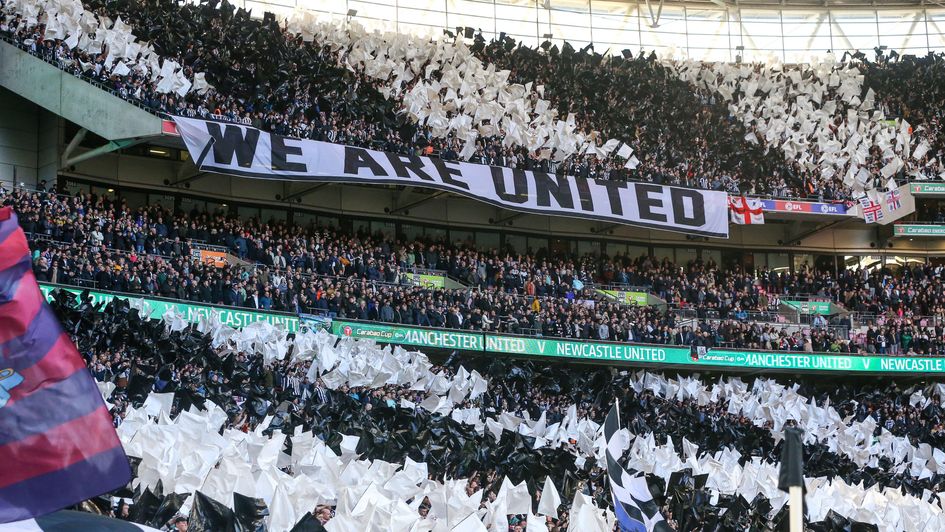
750 316
32 237
620 286
865 319
805 296
202 244
306 275
23 187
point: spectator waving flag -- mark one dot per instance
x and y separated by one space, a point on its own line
57 443
744 211
633 504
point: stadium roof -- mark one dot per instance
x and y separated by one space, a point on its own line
835 4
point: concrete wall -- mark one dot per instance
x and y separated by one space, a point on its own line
29 141
73 99
48 144
19 124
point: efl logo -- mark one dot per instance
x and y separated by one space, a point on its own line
347 330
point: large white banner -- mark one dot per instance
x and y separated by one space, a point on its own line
241 150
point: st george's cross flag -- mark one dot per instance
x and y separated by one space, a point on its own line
893 200
58 446
744 210
872 210
633 504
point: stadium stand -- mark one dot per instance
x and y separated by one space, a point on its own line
99 243
323 427
417 109
537 418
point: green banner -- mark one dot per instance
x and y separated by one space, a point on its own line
428 280
638 299
919 230
674 355
588 350
933 188
821 362
823 308
409 335
568 349
234 317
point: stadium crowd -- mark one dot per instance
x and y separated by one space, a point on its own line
99 242
255 65
910 89
138 357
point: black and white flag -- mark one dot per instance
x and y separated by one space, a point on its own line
633 504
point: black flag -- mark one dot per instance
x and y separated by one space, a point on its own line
792 460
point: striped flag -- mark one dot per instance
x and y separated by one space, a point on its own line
57 443
70 520
633 504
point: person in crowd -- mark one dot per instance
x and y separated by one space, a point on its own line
307 91
324 271
283 395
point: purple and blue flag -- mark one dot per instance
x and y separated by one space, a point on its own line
58 446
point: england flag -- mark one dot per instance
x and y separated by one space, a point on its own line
872 210
743 211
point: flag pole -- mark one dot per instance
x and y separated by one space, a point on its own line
617 406
796 501
791 476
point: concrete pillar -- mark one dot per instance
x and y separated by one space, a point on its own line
19 144
48 146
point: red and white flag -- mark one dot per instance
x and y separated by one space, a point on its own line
872 210
744 210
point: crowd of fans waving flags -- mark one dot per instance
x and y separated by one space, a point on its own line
825 120
228 428
338 441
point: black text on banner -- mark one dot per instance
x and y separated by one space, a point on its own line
241 150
